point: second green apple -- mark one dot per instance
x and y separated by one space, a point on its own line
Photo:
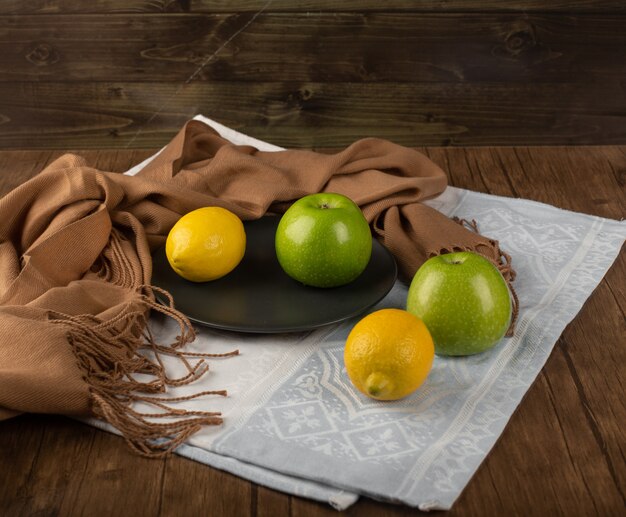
463 300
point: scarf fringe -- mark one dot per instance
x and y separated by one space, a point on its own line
109 355
501 260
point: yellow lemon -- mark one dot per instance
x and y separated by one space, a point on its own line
206 244
388 354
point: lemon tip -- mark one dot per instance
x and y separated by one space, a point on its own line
378 384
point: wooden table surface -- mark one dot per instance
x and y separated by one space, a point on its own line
563 451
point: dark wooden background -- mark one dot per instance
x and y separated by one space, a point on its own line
313 73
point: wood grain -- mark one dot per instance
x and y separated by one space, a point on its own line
314 78
314 72
303 114
92 6
215 492
327 47
404 5
562 452
200 6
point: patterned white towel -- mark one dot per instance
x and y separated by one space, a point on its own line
294 422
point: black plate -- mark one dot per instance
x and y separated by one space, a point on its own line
257 296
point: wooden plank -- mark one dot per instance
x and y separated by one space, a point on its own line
558 179
208 6
567 6
20 442
61 115
61 462
92 6
191 488
113 480
18 166
594 354
270 503
325 47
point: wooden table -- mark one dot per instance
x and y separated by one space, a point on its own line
562 452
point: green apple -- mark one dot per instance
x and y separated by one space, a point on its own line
463 300
323 240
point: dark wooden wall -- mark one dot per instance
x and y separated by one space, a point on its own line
313 73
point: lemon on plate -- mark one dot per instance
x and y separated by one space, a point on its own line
206 244
389 354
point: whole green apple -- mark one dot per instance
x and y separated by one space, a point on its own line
463 300
323 240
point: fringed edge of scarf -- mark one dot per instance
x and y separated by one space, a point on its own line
503 263
109 355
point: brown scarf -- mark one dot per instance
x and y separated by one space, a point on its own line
75 264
